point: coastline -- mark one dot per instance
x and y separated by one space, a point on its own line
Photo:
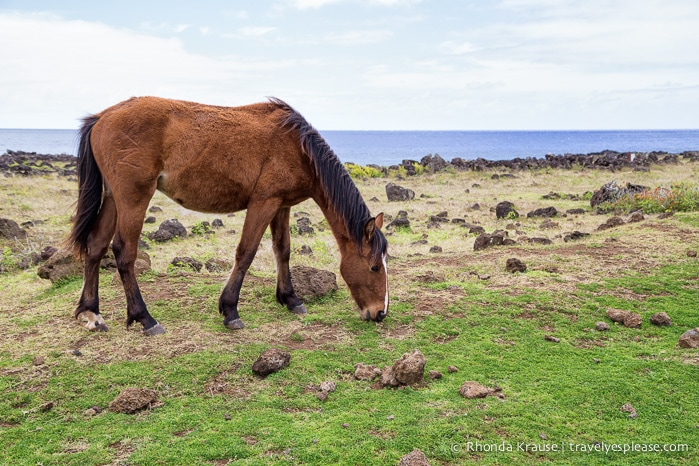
31 163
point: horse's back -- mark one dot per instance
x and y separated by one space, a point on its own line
205 157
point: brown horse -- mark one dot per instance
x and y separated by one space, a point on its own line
263 157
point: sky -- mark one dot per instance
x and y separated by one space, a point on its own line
361 64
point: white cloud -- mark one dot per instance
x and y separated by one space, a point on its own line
358 37
61 70
257 31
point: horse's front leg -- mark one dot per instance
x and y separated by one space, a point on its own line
281 244
258 217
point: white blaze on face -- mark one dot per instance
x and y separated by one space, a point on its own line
385 268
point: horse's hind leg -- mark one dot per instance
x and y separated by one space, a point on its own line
98 243
125 246
281 243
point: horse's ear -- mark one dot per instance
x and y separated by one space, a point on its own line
379 221
369 229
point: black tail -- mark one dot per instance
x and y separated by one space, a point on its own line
89 189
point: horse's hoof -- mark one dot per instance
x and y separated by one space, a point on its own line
157 329
235 324
299 310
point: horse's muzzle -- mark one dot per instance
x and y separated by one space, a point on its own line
380 315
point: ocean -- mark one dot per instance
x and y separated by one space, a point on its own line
391 147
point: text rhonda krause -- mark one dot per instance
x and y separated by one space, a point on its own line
563 447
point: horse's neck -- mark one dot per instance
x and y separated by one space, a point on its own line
336 222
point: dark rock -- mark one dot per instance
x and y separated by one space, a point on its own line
601 326
636 217
217 223
665 215
452 369
47 252
215 265
632 320
10 230
155 209
611 223
271 360
689 339
575 211
470 389
574 236
414 458
187 262
661 319
506 209
617 315
398 193
460 221
62 264
543 212
366 372
304 250
542 241
434 375
168 230
486 241
549 224
436 249
150 219
131 400
515 265
438 219
311 283
475 229
433 163
409 369
443 214
611 192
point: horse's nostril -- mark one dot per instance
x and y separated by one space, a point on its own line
380 315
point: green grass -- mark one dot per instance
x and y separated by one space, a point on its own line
568 392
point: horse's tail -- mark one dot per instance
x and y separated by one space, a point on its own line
89 189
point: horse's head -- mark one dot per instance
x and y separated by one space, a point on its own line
364 269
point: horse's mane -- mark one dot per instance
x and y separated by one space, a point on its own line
339 189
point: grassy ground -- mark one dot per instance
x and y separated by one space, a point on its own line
561 401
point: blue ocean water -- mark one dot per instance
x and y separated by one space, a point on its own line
391 147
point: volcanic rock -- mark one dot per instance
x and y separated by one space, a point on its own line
10 230
409 369
506 209
271 360
414 458
611 223
366 372
515 265
689 339
398 193
168 230
312 283
131 400
543 212
470 389
661 319
187 262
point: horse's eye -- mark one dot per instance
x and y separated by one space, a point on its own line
374 268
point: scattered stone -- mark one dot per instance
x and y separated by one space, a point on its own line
475 230
632 320
150 219
398 193
601 326
543 212
76 352
430 277
48 406
549 224
551 339
628 408
390 417
452 369
311 283
611 223
661 319
436 249
689 339
611 192
345 425
215 265
328 386
271 360
506 209
322 395
155 209
62 264
616 315
483 241
89 412
366 372
38 360
434 375
409 369
515 265
47 252
304 250
227 417
575 211
217 223
636 217
665 215
131 400
575 235
414 458
538 240
691 253
304 227
10 230
187 262
168 230
470 390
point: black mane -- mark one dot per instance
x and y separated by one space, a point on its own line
340 191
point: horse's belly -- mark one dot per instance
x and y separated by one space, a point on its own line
203 198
